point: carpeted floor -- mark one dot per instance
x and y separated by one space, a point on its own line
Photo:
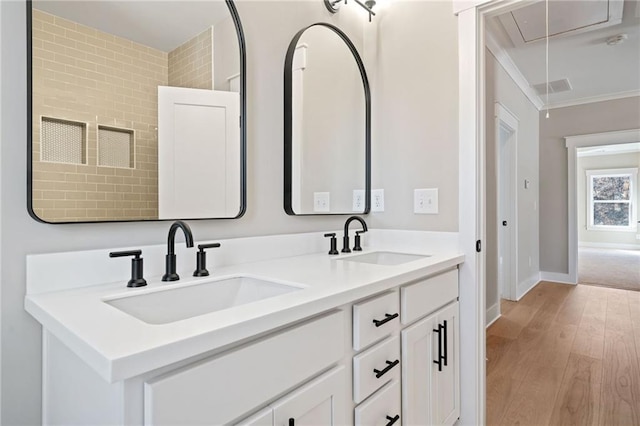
609 268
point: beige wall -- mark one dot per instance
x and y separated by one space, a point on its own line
501 88
190 64
603 162
598 117
413 59
81 74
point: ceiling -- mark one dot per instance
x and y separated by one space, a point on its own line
578 51
163 25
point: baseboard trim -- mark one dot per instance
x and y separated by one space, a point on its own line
493 313
618 246
525 286
556 277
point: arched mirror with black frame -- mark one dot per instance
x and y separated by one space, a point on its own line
327 124
136 110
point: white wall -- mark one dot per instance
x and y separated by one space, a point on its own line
501 88
417 147
415 95
600 162
597 117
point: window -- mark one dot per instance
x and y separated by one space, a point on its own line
612 199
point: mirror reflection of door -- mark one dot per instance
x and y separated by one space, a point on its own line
96 70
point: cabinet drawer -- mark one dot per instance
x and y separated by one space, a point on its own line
375 367
221 389
424 297
374 319
382 408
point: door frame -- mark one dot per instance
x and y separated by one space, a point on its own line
472 200
573 143
504 118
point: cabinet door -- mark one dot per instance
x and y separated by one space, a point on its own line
321 402
446 383
417 366
262 418
431 392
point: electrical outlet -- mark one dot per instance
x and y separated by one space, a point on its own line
377 200
425 201
358 200
321 202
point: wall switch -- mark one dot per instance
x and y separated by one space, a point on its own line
425 201
321 202
637 236
358 200
377 200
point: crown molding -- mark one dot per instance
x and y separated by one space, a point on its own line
512 70
592 99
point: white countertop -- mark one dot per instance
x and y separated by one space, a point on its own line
119 346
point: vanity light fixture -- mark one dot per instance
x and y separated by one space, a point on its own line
334 5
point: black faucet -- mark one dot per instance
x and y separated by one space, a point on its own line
170 273
345 239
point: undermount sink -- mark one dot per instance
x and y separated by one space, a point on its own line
385 258
191 300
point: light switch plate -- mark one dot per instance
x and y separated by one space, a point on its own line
358 200
377 200
425 201
321 202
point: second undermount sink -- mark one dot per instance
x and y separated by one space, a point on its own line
385 258
190 300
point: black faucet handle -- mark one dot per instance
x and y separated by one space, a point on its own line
334 243
201 247
357 246
135 253
201 259
137 267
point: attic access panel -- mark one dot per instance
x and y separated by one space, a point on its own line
527 24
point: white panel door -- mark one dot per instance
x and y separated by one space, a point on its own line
321 402
198 153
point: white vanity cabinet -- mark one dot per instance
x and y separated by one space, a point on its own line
365 361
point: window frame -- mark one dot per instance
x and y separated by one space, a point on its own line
633 174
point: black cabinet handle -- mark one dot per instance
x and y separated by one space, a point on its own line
446 357
440 357
387 318
390 365
292 421
392 420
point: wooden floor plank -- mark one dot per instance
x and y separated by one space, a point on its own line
579 368
534 400
620 396
578 401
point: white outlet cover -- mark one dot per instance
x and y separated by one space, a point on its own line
425 201
321 202
377 200
358 200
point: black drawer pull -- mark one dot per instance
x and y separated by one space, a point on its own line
390 365
439 358
392 420
292 421
446 356
388 317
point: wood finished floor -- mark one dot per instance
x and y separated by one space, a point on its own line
565 355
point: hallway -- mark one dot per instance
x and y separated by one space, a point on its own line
565 355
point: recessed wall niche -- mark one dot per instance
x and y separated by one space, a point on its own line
63 141
116 147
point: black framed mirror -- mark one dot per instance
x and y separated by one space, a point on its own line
327 125
136 110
